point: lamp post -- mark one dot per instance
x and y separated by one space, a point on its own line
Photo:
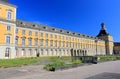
96 41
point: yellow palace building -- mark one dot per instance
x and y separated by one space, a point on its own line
20 38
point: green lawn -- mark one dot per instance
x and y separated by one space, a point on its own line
109 57
17 62
60 61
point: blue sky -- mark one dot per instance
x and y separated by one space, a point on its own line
83 16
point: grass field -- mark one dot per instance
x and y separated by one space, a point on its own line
108 57
28 61
17 62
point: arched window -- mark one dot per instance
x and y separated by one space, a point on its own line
7 52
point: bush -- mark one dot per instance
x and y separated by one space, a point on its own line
51 67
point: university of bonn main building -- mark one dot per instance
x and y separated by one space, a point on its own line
20 38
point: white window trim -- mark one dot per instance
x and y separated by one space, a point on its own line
7 26
7 16
6 39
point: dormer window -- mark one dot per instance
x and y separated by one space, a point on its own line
53 29
68 32
84 35
60 30
91 37
33 25
73 33
22 23
44 27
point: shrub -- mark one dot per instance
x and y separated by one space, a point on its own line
51 67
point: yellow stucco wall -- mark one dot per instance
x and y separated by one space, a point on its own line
4 32
3 24
83 43
4 9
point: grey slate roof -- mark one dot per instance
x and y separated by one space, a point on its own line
116 43
7 21
25 24
5 2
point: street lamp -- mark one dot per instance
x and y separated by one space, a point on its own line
96 41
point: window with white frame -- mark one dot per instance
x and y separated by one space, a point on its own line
16 41
23 41
7 39
42 52
30 41
9 15
47 52
30 32
51 36
59 43
66 38
7 52
36 42
46 35
41 42
66 44
46 42
55 36
41 34
23 32
36 33
51 42
59 37
55 43
8 27
71 44
63 44
23 52
16 31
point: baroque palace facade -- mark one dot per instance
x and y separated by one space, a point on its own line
25 39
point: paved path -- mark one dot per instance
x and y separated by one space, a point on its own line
106 70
